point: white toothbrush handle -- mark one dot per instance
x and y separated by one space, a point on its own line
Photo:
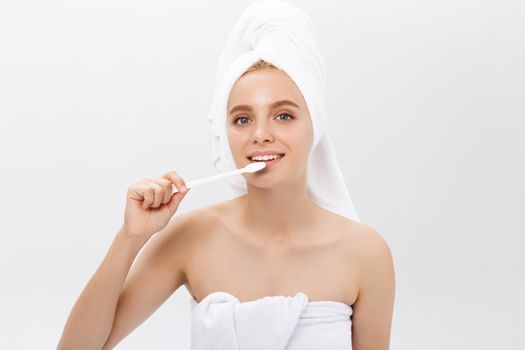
194 183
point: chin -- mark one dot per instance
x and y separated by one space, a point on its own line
268 180
259 186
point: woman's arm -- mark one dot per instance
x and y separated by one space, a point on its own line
373 309
91 318
156 274
116 302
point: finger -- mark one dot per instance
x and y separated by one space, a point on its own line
150 190
175 200
158 193
176 180
143 191
167 188
149 196
136 191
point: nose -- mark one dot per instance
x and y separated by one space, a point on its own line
262 133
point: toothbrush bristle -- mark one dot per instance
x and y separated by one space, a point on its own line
253 167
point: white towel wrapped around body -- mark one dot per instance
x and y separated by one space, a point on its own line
221 322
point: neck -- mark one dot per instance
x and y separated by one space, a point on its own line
278 213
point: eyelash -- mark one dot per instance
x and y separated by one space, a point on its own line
243 117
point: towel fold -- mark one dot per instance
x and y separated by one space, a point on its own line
221 322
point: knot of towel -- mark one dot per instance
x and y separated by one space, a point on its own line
221 322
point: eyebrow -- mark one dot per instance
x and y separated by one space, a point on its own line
273 105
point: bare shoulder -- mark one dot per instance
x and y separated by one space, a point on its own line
188 231
370 243
367 246
357 236
374 259
363 245
373 308
198 222
190 226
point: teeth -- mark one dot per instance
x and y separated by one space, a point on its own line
273 156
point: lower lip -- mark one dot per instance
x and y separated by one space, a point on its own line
269 163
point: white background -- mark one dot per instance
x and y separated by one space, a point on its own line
426 107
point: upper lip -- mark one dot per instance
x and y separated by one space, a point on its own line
263 153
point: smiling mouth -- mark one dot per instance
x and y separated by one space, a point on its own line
281 155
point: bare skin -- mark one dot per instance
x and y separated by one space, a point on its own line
338 259
274 240
316 260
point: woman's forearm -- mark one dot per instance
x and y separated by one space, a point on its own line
91 319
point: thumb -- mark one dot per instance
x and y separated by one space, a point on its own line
174 202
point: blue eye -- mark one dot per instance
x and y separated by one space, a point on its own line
285 114
239 119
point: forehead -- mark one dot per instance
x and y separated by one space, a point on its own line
264 86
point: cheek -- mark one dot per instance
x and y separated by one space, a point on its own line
295 138
236 140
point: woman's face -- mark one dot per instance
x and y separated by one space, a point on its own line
257 122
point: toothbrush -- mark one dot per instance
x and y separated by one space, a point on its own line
250 168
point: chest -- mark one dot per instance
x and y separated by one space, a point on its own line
321 268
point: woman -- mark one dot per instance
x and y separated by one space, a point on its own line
270 268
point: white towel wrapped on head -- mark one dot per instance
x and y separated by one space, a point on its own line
282 34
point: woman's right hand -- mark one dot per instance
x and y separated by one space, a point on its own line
150 205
